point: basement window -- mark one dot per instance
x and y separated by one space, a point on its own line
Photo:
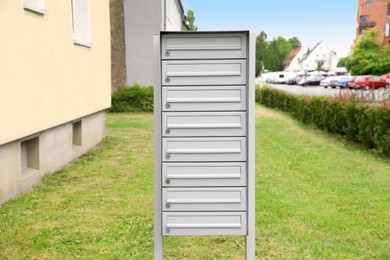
36 6
29 155
76 134
81 23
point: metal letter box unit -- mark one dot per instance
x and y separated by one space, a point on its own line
204 136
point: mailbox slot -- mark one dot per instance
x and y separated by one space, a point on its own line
204 223
204 199
209 98
203 174
204 46
204 149
204 124
204 72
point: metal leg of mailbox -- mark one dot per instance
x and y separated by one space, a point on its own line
158 238
251 236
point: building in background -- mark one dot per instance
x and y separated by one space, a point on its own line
133 23
55 80
374 14
291 63
319 57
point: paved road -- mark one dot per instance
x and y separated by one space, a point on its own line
379 94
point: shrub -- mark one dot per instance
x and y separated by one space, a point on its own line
366 123
132 99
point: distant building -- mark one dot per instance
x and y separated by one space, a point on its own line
133 23
374 14
318 57
55 80
291 63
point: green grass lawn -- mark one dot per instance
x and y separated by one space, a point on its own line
316 197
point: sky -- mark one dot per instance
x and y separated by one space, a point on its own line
330 21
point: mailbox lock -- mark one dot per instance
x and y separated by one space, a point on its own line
168 156
167 230
167 80
167 53
168 181
167 105
168 206
168 131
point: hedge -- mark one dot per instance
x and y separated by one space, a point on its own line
132 99
367 124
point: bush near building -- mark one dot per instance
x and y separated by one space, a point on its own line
134 98
368 124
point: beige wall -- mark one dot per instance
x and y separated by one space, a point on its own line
46 80
55 150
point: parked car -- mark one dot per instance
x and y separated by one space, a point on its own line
292 81
311 81
343 82
370 82
386 77
330 82
325 82
333 81
351 84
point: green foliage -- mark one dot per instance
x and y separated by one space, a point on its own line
271 54
133 99
358 122
343 62
368 56
191 20
261 51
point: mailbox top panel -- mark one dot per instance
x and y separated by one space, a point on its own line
204 45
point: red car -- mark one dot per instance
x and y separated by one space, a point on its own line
386 77
370 82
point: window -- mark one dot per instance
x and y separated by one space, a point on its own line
29 155
81 23
364 18
37 6
369 3
76 133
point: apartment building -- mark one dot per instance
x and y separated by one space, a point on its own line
374 14
133 23
55 80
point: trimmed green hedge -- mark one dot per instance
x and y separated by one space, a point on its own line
359 122
132 99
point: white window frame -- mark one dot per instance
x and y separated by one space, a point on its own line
81 23
37 6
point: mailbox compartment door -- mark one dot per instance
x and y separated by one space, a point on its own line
204 223
206 98
204 124
203 72
204 46
204 149
204 199
203 174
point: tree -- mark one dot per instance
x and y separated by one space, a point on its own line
320 64
368 56
343 62
294 42
271 54
191 20
261 51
